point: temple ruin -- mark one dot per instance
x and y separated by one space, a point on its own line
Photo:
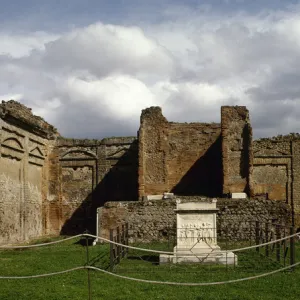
53 185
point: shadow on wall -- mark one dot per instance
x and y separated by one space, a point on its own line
204 178
245 156
119 184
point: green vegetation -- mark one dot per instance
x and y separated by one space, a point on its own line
138 264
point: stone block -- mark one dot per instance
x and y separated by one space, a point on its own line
154 197
238 195
168 196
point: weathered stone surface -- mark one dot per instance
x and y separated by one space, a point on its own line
155 220
276 170
21 116
196 226
23 183
238 195
50 185
184 158
236 149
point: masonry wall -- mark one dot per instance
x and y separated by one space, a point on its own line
91 172
153 220
276 170
52 185
23 173
296 180
236 149
184 158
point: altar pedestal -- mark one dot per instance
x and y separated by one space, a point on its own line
197 235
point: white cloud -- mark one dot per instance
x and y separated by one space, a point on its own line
121 95
18 46
94 81
106 49
16 97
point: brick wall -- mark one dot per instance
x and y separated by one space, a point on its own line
184 158
276 171
236 149
91 173
51 185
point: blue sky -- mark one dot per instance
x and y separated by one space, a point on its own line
89 67
60 15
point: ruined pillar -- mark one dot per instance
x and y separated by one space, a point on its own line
236 133
152 170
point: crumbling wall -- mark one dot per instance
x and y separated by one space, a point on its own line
51 185
193 160
154 220
24 147
272 168
184 158
276 171
91 173
296 180
153 136
236 149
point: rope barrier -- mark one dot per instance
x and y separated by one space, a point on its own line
153 281
265 244
172 253
43 275
143 249
127 246
42 244
148 250
195 283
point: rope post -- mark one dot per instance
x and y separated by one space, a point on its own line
278 236
267 239
257 235
250 233
87 264
123 240
111 250
126 239
292 247
226 246
168 231
118 246
284 247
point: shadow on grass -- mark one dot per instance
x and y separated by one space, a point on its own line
85 241
154 259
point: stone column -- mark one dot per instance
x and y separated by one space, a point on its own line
152 170
237 154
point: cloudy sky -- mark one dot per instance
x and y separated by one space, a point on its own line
90 66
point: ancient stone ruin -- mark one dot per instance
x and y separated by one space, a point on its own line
196 238
53 185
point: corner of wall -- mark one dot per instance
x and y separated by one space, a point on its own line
237 157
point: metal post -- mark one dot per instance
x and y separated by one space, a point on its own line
168 230
123 240
284 247
250 233
278 236
257 235
226 247
87 263
118 246
126 242
267 239
111 250
292 248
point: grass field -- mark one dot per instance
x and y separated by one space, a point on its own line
74 285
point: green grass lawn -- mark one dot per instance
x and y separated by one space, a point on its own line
138 264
